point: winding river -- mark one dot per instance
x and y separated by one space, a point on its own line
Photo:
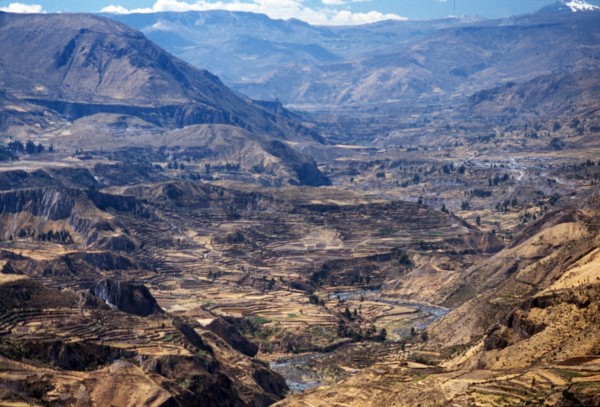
293 368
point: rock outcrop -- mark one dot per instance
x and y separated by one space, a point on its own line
232 336
128 297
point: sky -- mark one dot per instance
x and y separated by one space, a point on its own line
321 12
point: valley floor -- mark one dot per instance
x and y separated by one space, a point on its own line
363 293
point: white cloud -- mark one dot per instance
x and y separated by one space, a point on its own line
348 18
277 9
115 10
22 8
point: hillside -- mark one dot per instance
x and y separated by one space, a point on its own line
82 64
529 335
61 71
558 97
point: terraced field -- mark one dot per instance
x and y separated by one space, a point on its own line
262 260
330 285
275 269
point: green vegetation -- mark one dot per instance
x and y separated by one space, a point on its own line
261 320
10 151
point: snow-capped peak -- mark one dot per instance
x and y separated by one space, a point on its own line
580 5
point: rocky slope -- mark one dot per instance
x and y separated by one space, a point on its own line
559 97
528 293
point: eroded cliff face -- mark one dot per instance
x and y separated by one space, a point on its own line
48 203
127 297
67 216
233 337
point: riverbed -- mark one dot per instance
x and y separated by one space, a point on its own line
295 369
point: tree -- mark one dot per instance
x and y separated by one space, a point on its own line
575 123
405 260
342 329
30 147
382 334
557 144
16 146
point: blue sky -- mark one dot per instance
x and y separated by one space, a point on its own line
313 11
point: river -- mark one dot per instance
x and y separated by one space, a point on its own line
294 368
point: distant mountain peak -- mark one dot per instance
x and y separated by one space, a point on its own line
578 5
570 6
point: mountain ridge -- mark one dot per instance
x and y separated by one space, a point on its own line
571 5
84 69
409 59
97 62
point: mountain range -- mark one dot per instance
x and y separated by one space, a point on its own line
379 63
